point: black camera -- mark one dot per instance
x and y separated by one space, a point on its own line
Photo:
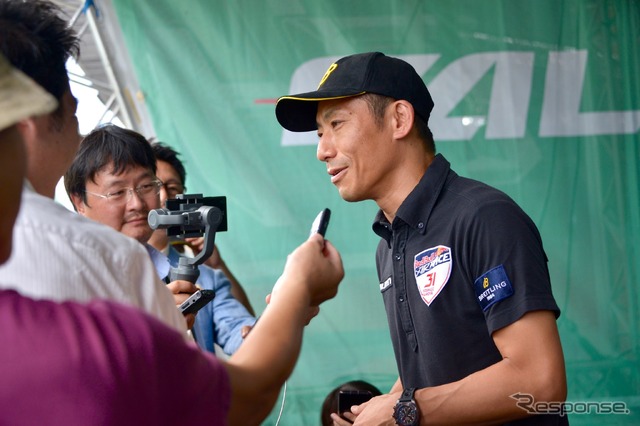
191 215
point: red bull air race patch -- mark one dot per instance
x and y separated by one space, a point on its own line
432 268
492 287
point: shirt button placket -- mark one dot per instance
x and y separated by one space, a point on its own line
398 258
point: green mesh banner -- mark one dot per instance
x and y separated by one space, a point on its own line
540 98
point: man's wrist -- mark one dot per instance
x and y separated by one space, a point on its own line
406 412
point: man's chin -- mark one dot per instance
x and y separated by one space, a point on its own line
138 233
350 196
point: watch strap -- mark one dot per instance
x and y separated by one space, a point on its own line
407 395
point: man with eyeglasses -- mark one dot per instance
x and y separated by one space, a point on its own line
121 196
113 180
57 254
173 174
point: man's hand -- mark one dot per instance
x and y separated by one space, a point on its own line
197 245
377 411
181 291
245 330
315 268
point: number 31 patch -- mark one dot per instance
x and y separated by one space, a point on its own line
432 269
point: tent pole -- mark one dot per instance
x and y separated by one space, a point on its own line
124 111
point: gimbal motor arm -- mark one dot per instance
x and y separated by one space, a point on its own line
207 217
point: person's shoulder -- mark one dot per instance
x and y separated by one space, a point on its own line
476 193
127 322
472 188
49 216
475 201
119 341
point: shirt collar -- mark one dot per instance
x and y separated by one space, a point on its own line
417 207
160 261
27 186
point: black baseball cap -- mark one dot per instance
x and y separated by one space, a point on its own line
355 75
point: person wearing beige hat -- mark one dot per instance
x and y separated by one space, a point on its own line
57 254
20 97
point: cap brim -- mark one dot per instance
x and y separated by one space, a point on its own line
21 97
297 113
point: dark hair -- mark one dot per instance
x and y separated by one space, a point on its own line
106 145
425 134
38 41
169 155
378 104
330 403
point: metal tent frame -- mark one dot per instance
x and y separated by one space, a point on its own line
105 60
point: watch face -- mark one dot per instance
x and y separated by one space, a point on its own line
406 414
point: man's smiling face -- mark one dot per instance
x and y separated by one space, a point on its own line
128 216
355 147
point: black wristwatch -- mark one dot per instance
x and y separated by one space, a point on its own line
406 411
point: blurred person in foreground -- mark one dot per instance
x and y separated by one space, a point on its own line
58 254
103 363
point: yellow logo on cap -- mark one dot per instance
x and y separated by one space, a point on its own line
485 282
331 69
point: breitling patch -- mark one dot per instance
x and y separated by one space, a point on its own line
492 287
385 284
432 269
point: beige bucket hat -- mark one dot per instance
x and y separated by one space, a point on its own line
20 97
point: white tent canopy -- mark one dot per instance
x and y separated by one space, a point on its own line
105 61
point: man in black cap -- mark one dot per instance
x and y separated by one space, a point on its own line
462 270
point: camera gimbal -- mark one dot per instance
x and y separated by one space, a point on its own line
191 215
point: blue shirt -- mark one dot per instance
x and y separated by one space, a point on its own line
221 320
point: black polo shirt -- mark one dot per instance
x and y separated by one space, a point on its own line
460 260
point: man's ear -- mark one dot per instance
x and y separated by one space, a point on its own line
78 203
33 134
28 128
403 115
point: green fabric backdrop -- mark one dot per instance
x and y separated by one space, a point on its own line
540 98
